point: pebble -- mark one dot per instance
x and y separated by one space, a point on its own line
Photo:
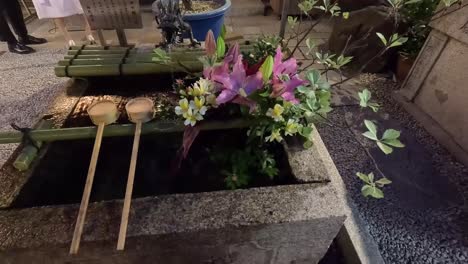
27 86
404 235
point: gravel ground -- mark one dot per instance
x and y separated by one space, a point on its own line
27 86
404 234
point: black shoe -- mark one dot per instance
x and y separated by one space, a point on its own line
30 40
20 48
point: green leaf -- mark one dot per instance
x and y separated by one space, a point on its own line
292 21
363 177
308 144
374 106
306 132
382 38
372 191
366 190
311 103
364 97
394 143
303 89
371 126
267 68
391 134
386 149
345 15
310 45
369 135
220 47
371 177
313 76
412 2
383 181
223 32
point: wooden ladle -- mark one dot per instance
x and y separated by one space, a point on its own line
140 110
102 113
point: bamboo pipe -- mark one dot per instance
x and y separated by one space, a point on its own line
95 47
135 51
91 52
126 69
118 60
29 151
154 127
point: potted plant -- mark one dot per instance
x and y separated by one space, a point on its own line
417 17
204 15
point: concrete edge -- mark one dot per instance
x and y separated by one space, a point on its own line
433 128
354 230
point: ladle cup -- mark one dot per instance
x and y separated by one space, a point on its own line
102 113
139 110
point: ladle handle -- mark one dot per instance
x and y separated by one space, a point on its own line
75 245
128 192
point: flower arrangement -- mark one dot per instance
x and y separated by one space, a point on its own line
271 94
277 99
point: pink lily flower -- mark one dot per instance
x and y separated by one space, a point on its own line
285 77
237 83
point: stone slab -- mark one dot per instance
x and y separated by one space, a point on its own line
293 218
429 54
453 22
444 95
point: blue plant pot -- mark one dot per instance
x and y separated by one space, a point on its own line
202 22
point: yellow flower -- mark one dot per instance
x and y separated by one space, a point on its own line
183 107
275 135
276 113
291 127
198 104
201 87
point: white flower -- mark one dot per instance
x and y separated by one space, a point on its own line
191 117
183 107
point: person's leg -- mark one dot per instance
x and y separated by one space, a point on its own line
60 23
5 32
88 32
7 36
15 16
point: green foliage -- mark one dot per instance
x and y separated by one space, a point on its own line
388 140
449 3
364 101
220 47
245 163
372 188
417 17
292 22
160 56
307 5
310 45
223 32
394 41
263 47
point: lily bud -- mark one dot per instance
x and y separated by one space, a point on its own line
210 43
